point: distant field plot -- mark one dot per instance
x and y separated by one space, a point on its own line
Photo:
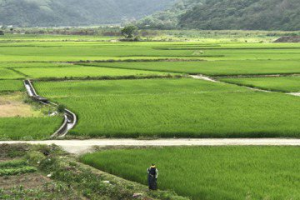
30 128
9 74
11 85
86 50
174 108
32 64
284 84
83 71
213 67
210 173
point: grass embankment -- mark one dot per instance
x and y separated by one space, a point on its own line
174 108
281 84
60 176
210 172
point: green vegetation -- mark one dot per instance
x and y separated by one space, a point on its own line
209 172
226 15
75 12
9 74
67 178
24 128
28 128
37 52
232 67
174 108
15 167
80 71
243 14
13 163
11 86
168 19
282 84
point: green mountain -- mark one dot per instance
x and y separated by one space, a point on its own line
75 12
228 14
244 14
168 19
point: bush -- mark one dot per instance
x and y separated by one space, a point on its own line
61 109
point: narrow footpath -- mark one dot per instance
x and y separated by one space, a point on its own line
79 147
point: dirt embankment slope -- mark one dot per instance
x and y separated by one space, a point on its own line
288 39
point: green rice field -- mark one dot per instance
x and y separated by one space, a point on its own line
214 68
9 74
81 71
174 108
282 84
209 173
11 86
24 128
157 105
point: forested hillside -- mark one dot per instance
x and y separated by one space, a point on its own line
168 19
75 12
229 14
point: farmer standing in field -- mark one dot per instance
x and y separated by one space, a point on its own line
152 177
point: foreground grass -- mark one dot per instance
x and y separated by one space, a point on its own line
174 108
210 172
283 84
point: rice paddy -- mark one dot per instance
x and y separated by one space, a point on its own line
281 84
209 173
159 105
174 108
80 71
214 68
131 90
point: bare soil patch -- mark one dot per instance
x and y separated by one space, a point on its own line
12 105
288 39
28 181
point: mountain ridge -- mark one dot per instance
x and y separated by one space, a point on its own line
75 12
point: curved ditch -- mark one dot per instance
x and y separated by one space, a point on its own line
70 119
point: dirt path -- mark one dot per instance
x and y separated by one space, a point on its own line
296 94
82 146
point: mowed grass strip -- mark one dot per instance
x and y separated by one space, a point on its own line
9 74
210 173
232 67
282 84
174 108
83 71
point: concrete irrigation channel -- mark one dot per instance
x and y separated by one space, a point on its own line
70 119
